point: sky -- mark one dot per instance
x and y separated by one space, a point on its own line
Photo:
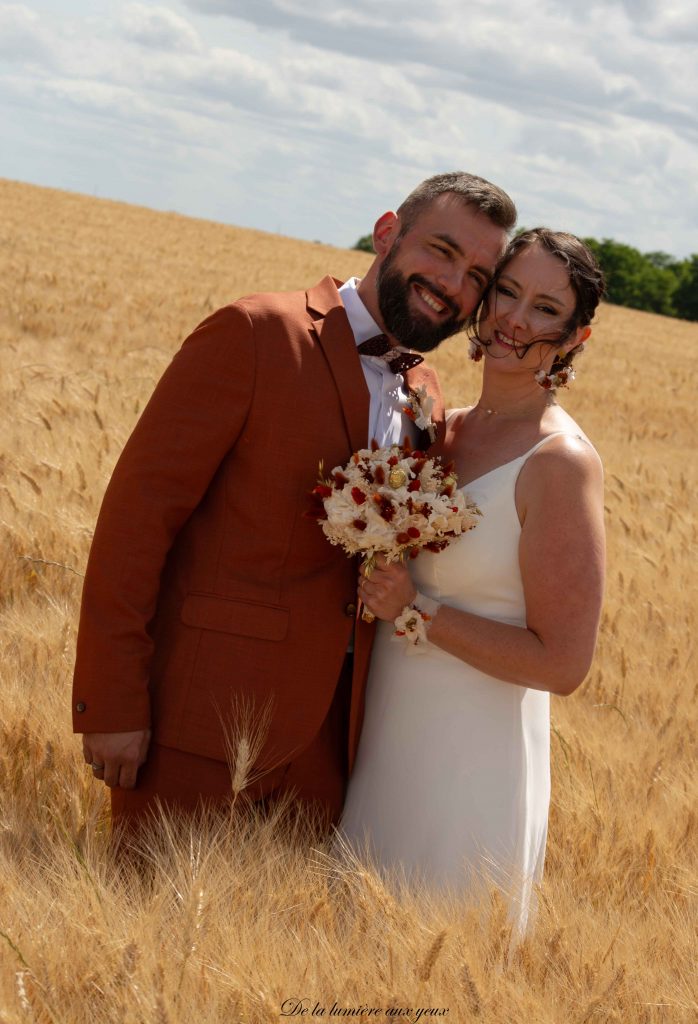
311 118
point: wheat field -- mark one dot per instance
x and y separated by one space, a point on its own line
247 919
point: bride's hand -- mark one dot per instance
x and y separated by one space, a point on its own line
387 590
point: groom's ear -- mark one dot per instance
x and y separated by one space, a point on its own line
385 232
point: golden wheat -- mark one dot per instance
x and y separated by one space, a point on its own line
231 920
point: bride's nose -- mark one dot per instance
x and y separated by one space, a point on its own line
514 318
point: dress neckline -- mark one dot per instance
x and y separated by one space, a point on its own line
517 458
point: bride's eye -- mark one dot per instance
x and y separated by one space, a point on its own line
503 290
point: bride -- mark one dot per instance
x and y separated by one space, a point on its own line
452 778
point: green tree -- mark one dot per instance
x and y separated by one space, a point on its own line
365 244
686 294
641 282
663 260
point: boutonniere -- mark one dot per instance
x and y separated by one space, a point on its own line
419 408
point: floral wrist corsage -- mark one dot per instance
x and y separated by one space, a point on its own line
414 621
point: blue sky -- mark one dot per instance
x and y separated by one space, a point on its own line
311 118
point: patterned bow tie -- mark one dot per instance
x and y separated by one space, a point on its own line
398 361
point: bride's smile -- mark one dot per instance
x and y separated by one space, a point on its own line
509 344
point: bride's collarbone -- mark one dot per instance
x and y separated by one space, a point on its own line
476 452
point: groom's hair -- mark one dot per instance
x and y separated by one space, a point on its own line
471 189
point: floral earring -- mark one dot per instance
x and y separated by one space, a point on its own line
554 380
475 350
561 373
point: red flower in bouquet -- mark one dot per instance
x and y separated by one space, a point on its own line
392 502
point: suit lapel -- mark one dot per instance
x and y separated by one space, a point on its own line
331 327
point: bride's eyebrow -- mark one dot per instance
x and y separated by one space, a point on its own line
540 295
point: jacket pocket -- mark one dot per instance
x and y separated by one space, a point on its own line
243 618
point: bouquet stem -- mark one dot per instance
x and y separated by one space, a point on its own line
366 615
368 566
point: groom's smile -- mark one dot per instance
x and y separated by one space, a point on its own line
429 298
416 313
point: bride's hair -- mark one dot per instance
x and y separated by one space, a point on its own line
585 274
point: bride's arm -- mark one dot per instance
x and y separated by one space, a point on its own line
561 555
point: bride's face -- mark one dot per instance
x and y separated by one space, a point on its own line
531 302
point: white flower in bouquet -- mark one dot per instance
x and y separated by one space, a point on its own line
392 502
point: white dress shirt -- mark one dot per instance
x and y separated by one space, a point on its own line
386 420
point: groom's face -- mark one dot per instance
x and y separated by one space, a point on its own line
434 274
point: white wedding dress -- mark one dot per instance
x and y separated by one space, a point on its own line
452 778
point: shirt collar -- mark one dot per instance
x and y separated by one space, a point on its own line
360 320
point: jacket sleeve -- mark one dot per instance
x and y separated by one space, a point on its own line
191 422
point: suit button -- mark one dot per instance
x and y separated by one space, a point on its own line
350 609
81 707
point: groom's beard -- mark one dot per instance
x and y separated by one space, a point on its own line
409 328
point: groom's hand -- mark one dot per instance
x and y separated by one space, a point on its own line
387 590
115 757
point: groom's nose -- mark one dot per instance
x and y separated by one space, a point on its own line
451 279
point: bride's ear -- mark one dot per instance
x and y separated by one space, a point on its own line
581 335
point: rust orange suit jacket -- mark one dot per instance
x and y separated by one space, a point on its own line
205 579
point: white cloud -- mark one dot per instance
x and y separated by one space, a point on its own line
159 28
312 118
514 51
22 37
673 22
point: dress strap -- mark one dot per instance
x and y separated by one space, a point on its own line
451 414
548 437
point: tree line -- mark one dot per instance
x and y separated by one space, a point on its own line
653 281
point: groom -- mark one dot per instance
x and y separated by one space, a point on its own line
207 590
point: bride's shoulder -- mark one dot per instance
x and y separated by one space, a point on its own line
563 437
565 458
576 441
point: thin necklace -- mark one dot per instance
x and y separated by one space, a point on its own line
495 412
